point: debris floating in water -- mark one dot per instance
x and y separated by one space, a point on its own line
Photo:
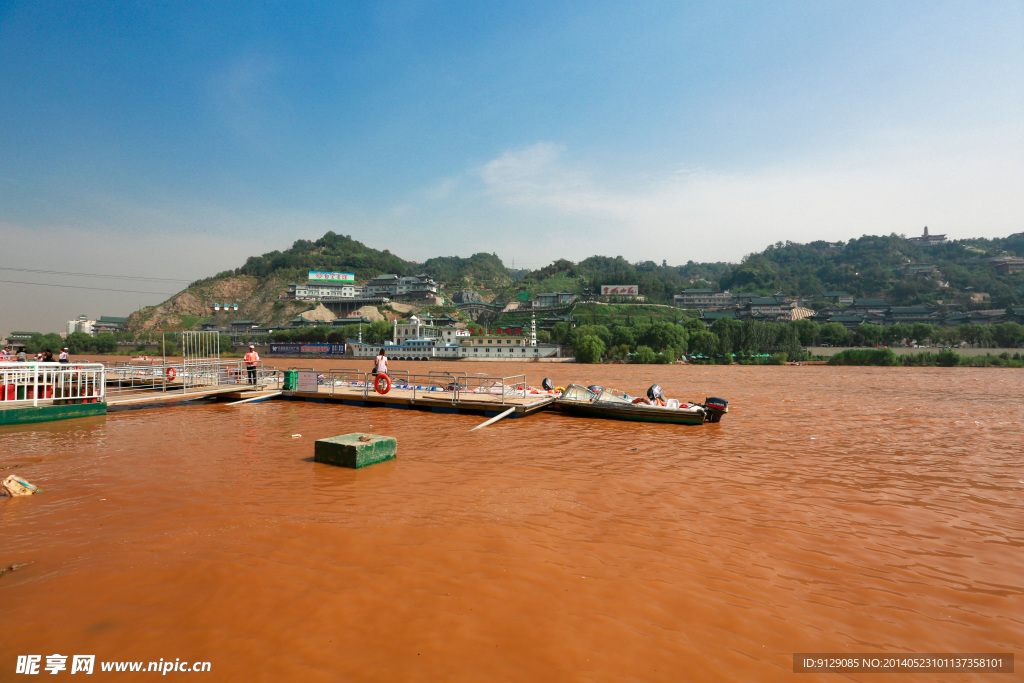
295 436
16 486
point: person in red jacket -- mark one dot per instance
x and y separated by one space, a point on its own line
252 360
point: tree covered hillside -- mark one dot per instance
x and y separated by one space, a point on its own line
865 267
869 267
658 283
332 252
454 271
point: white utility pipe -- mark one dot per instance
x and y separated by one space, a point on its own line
495 418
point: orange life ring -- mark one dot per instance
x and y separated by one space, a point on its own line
171 374
641 399
382 384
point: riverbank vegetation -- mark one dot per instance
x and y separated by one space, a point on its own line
762 343
944 358
644 342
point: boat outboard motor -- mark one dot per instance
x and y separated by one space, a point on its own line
717 407
655 394
596 388
548 386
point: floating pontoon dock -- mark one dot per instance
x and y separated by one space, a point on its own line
436 391
38 392
134 384
44 392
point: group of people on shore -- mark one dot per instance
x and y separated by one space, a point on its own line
44 356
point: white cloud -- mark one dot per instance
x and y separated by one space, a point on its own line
537 176
963 186
539 203
441 190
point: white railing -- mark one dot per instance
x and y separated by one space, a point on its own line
23 384
438 385
154 375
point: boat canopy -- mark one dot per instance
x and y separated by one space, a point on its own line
613 396
577 392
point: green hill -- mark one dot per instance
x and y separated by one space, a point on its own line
332 252
874 267
870 267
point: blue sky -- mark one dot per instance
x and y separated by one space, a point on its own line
173 140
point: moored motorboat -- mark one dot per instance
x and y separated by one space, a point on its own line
595 401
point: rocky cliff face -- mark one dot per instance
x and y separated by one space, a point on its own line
466 296
258 300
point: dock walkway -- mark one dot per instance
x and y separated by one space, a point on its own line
438 402
137 396
129 386
437 391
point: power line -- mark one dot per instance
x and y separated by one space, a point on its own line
112 277
98 289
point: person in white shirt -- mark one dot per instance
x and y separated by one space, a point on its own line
380 364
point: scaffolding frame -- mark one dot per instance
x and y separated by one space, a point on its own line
200 358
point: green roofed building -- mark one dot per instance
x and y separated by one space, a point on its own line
838 297
18 339
242 326
709 317
850 322
302 322
108 323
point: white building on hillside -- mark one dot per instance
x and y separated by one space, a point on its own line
317 291
409 287
81 324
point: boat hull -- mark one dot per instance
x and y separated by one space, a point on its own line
631 413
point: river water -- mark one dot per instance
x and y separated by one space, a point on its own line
832 510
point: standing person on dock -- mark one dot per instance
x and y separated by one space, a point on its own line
251 360
380 364
63 357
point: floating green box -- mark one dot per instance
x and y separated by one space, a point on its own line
348 450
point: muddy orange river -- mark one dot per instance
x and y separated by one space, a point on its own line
833 510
